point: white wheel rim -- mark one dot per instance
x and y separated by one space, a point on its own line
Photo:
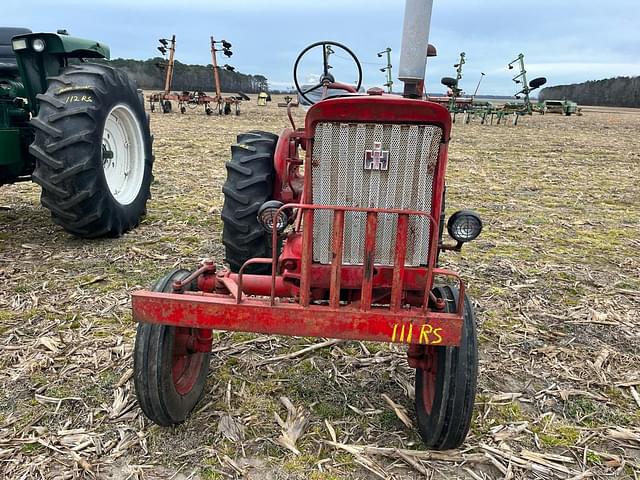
123 154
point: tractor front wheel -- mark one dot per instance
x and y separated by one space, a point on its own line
169 373
446 386
93 151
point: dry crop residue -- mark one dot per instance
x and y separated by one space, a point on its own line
555 277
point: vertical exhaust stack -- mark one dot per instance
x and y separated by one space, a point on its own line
415 40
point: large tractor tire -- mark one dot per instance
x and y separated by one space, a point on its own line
250 176
446 389
169 378
93 151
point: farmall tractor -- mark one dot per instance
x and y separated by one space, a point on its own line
331 230
77 129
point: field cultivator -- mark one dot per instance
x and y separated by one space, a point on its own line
333 229
487 111
192 100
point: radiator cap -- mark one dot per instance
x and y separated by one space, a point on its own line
375 91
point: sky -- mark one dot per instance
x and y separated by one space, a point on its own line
566 41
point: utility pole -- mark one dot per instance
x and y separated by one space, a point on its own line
387 69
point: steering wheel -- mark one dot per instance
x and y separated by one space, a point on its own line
327 80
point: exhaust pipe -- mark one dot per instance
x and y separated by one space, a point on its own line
415 42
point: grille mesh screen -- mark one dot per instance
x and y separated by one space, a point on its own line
339 178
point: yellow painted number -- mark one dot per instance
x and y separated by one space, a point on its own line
403 333
79 98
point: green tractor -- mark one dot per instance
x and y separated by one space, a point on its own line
77 129
563 107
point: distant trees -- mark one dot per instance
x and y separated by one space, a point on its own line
188 77
612 92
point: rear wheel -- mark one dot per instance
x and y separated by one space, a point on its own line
166 106
250 175
169 374
446 388
93 151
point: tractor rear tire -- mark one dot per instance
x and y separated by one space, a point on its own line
445 392
168 384
93 151
250 176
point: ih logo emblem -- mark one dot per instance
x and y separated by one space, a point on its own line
376 159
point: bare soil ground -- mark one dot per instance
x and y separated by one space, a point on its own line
556 282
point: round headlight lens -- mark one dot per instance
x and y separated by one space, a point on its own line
38 45
269 218
464 226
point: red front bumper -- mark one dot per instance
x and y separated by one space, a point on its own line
222 312
265 304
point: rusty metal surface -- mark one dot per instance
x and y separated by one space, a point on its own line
219 312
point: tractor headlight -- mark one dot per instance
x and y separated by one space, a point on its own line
38 45
19 44
269 217
464 226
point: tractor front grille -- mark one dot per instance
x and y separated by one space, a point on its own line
409 153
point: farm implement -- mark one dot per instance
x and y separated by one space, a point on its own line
332 229
488 111
191 100
454 101
77 129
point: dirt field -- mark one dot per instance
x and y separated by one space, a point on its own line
556 282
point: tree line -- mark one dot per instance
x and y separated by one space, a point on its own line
149 75
611 92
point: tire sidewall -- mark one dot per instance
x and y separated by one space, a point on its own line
84 88
179 406
174 406
128 97
451 372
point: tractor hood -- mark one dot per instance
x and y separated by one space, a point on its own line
58 44
384 108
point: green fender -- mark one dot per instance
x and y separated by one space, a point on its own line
35 67
65 45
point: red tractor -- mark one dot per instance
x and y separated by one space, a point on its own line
331 230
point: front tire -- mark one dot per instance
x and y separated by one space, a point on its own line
169 379
93 151
250 176
445 390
